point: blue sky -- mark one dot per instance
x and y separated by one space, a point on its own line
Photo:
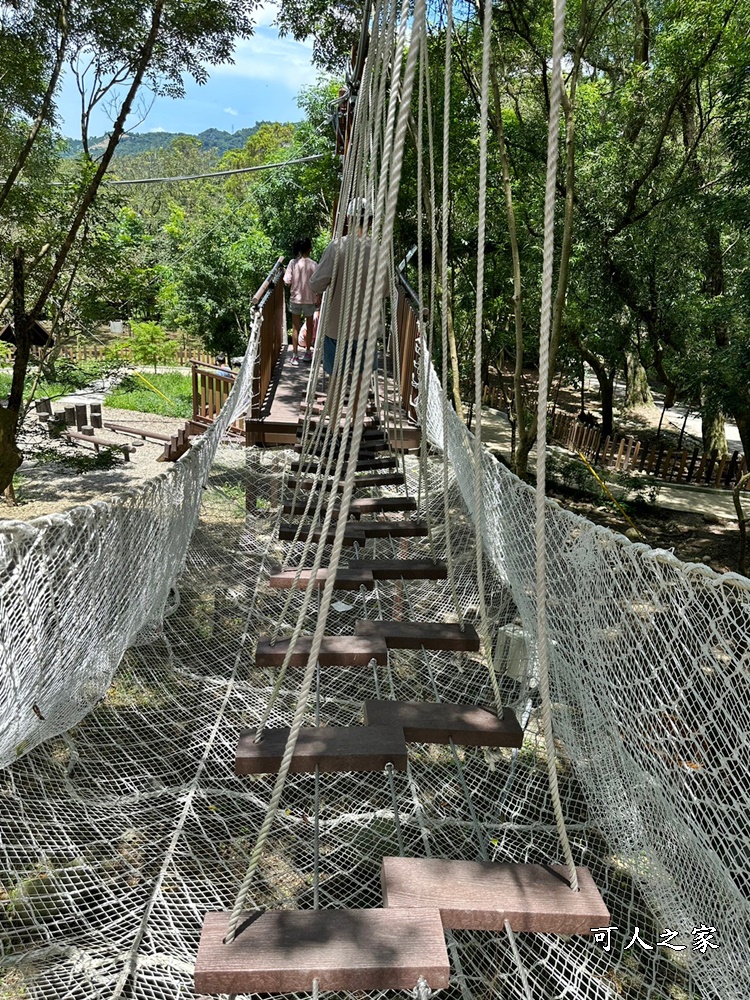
261 85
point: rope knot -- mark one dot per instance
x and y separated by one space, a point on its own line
422 990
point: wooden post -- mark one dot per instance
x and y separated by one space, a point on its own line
81 415
691 467
720 470
711 464
70 416
619 455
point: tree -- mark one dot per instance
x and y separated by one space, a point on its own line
119 49
150 345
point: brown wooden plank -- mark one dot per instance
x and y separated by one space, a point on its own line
403 569
361 505
347 578
415 635
335 651
363 464
330 748
352 533
482 895
360 482
430 722
393 529
282 951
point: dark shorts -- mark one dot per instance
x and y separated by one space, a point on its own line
329 355
302 308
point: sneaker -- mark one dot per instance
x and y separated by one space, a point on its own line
295 361
308 356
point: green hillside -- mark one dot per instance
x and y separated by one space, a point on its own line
143 142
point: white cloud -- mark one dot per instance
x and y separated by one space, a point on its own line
230 111
266 57
157 129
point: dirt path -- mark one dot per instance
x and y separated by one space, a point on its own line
48 487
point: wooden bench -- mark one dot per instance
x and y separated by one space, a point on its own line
136 431
98 443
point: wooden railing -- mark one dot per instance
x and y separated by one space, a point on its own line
408 332
625 454
270 299
211 388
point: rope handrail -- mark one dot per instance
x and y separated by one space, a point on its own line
269 284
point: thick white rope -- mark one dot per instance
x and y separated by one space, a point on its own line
444 306
542 636
478 322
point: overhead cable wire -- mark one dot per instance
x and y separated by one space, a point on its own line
216 173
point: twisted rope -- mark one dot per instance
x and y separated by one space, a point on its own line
542 636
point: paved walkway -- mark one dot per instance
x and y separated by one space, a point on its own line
696 499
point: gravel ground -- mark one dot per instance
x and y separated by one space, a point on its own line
49 487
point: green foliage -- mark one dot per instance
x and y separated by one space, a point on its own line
133 394
150 345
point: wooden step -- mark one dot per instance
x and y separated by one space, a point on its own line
330 748
362 505
360 482
347 578
352 534
282 951
335 651
403 569
415 635
393 529
366 451
428 722
482 895
363 465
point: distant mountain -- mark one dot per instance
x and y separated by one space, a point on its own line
133 143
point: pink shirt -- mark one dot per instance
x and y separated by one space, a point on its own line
297 276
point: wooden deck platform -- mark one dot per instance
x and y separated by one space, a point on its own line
278 424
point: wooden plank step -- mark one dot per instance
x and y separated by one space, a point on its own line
352 534
430 722
282 951
363 505
347 578
393 529
482 895
335 651
366 450
415 635
363 465
367 481
403 569
331 748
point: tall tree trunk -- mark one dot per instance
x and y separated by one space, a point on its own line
712 423
637 389
10 454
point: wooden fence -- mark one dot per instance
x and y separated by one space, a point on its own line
625 454
97 352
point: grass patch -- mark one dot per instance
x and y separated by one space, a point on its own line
70 376
133 394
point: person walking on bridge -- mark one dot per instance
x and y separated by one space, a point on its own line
342 260
302 299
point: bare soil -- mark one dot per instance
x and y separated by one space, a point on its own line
49 487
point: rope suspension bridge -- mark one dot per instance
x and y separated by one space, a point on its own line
363 712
